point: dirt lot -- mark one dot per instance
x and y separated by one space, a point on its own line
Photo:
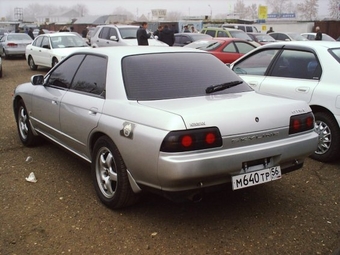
60 214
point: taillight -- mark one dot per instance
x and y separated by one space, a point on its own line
301 123
12 44
192 139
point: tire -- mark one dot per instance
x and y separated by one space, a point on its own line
110 176
329 137
0 72
31 63
54 62
24 128
5 55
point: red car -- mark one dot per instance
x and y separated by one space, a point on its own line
225 49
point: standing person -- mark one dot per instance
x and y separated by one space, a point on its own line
174 29
30 33
186 29
167 36
318 36
142 36
193 30
158 31
270 30
41 31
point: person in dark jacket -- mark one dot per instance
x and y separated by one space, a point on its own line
167 36
30 33
318 36
158 31
142 36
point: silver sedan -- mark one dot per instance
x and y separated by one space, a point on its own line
14 44
174 121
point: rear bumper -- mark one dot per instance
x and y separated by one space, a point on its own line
184 172
15 51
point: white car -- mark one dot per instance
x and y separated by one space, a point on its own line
311 36
305 70
49 49
172 120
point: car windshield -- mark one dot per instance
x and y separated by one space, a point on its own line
176 75
18 37
265 38
240 34
204 44
67 41
128 32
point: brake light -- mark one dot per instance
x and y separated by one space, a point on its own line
301 123
192 139
12 44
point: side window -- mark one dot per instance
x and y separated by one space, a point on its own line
241 28
113 32
243 47
256 64
45 42
85 81
184 39
104 33
230 48
37 42
274 36
249 29
62 75
222 34
297 64
283 37
211 33
177 39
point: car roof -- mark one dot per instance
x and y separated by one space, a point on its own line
301 44
118 25
123 51
59 34
222 28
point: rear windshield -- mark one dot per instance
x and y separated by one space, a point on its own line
240 35
175 75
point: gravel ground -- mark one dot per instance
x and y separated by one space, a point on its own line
60 213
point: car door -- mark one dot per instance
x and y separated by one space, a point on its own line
104 37
35 50
45 55
81 107
295 74
228 53
46 99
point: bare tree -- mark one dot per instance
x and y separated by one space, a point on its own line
308 9
173 16
333 7
251 11
82 9
240 9
277 6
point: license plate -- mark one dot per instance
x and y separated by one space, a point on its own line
257 177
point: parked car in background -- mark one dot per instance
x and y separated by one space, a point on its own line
36 31
228 32
3 32
225 49
0 67
14 44
170 120
49 49
311 36
289 36
91 31
305 71
261 38
182 39
248 28
118 35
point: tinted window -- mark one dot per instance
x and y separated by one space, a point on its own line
240 34
211 32
128 32
38 41
175 75
222 34
104 33
297 64
85 81
244 47
185 39
283 37
230 48
177 38
113 32
256 64
62 76
45 42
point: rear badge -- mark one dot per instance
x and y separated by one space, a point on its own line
257 119
127 130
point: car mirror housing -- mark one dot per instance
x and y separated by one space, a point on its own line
37 79
114 38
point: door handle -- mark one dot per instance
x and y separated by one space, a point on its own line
253 83
93 111
302 89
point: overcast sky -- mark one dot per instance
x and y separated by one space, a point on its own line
103 7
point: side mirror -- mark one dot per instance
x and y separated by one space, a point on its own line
37 79
114 38
46 46
156 37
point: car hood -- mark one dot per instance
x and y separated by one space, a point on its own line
233 113
152 42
